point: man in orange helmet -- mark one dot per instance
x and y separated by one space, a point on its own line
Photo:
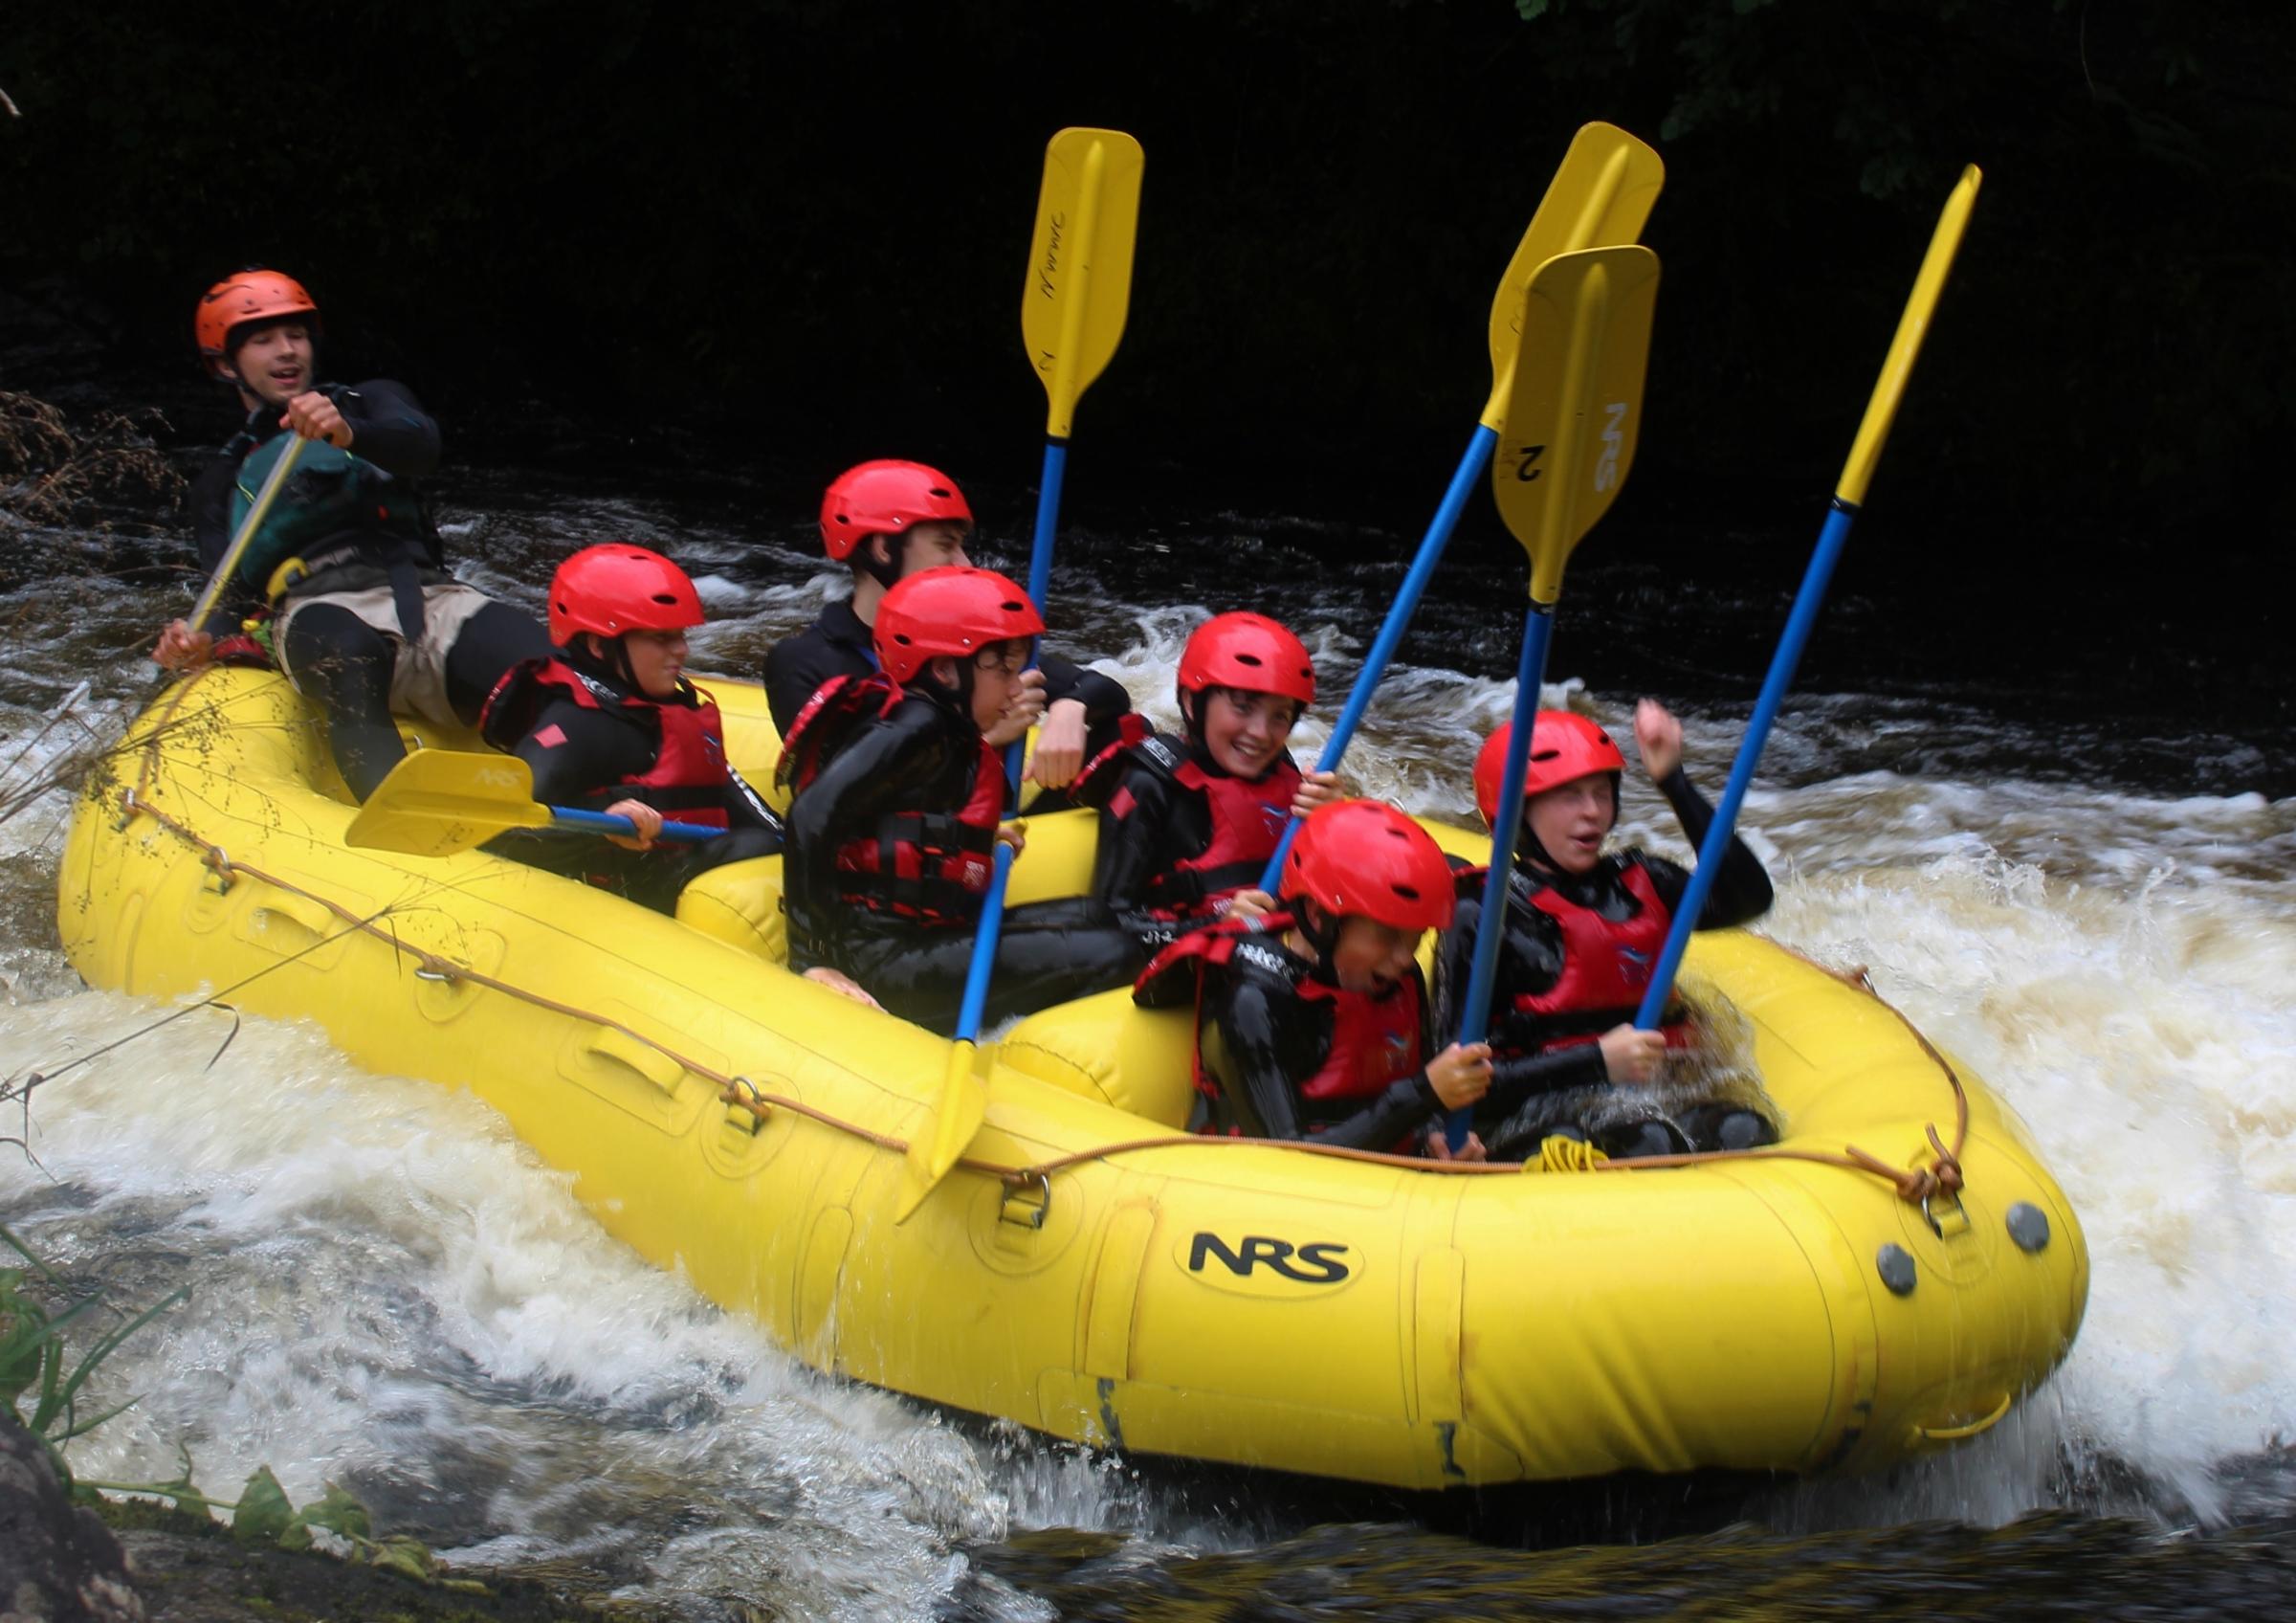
367 620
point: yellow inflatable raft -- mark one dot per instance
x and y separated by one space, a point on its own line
1087 1271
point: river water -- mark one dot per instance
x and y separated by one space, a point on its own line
2093 906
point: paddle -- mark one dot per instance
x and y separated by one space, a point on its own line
265 496
1570 441
437 802
1072 316
1849 492
1601 195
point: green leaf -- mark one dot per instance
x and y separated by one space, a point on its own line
338 1512
408 1557
296 1535
264 1511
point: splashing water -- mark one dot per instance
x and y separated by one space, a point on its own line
389 1291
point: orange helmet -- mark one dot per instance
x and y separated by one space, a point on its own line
953 610
249 295
1364 856
1565 747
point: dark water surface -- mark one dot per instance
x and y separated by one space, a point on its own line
2064 868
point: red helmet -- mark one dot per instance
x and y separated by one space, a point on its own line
1250 651
250 295
953 609
885 497
1563 746
1363 857
616 589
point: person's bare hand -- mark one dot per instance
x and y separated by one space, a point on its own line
1023 713
1631 1056
314 417
649 823
1317 789
1658 735
180 647
1461 1074
1059 754
1439 1148
842 984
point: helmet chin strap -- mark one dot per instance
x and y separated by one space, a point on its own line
1323 937
604 657
887 570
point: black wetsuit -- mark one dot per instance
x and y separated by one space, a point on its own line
339 661
838 644
1531 956
1261 1040
581 756
922 756
1149 825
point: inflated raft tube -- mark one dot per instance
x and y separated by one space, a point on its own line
1353 1317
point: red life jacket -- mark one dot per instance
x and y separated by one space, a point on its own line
688 780
928 865
1246 818
1374 1040
1606 963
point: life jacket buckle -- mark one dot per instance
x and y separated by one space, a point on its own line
1028 1200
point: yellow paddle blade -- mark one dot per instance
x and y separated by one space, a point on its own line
1599 196
1080 263
1912 328
437 802
956 1118
1573 421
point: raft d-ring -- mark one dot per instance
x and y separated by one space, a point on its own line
1954 1212
440 973
219 863
1954 1433
129 805
1019 1210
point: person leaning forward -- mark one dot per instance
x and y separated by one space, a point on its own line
367 620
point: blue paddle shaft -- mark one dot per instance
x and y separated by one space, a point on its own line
984 946
1530 672
1399 620
992 905
1040 570
1815 580
606 823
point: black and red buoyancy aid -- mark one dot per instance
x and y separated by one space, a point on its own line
1606 963
688 780
929 866
1246 818
1376 1041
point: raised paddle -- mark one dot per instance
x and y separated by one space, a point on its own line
265 496
1073 313
1849 492
437 802
1601 195
1570 439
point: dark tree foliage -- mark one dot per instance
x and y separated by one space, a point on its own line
800 225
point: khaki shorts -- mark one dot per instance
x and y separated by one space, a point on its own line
418 674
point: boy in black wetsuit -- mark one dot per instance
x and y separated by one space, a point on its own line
1313 1022
899 799
368 620
1583 933
1186 823
890 520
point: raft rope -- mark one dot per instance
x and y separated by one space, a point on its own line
1916 1185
